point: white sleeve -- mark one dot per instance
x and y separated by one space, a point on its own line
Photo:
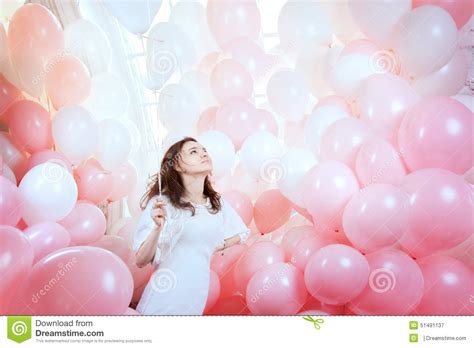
233 223
167 235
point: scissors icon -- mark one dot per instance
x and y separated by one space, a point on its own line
316 322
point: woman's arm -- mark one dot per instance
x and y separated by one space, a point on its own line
147 250
228 243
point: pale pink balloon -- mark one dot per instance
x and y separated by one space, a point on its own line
230 79
334 100
359 46
440 211
285 290
376 217
377 161
11 203
271 211
231 305
51 156
9 93
305 248
127 231
293 236
46 237
248 53
266 121
86 224
382 100
124 180
93 182
229 20
303 212
395 285
115 244
461 11
209 61
255 257
342 139
224 264
12 156
68 82
88 281
437 133
34 37
236 119
214 291
30 126
336 274
241 203
448 287
140 276
207 120
16 254
328 186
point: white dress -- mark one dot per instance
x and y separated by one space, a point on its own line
180 283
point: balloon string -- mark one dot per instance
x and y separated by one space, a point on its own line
160 143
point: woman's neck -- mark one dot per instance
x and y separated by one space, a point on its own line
194 188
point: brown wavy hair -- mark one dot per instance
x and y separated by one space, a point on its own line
172 183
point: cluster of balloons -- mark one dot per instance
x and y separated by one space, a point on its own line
353 174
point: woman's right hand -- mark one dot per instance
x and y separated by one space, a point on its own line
158 213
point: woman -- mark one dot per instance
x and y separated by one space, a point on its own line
180 230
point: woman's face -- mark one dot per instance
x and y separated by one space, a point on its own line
194 159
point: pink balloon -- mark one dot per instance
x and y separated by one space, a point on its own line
229 20
377 161
8 94
448 287
381 101
86 224
115 244
303 212
248 53
207 120
266 121
214 291
276 289
336 274
49 156
271 211
16 254
241 203
141 276
46 237
12 156
328 186
334 100
376 217
11 203
293 236
342 139
30 126
93 182
236 119
437 133
305 248
460 10
124 180
395 285
257 256
230 79
34 37
87 281
440 211
360 46
231 305
224 264
68 82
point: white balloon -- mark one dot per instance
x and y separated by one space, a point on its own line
136 137
465 99
350 71
89 43
198 83
221 150
259 152
75 133
295 163
135 15
108 97
49 191
317 123
178 107
114 145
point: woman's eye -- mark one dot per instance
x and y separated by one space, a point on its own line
193 151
